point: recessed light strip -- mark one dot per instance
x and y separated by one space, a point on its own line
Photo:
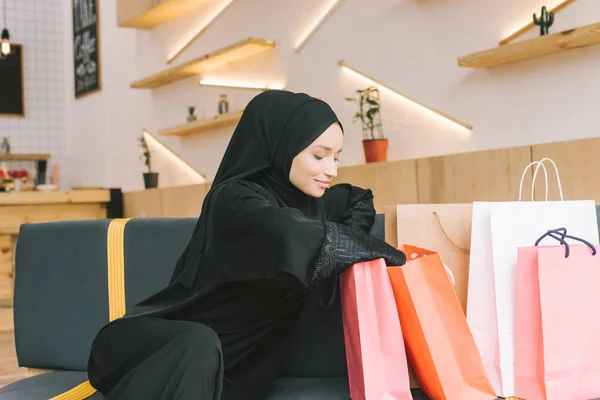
433 111
241 85
310 32
181 163
200 30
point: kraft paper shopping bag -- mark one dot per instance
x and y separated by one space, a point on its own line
443 227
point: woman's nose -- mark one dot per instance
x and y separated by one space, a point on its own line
331 169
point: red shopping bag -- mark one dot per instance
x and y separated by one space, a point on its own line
440 345
375 354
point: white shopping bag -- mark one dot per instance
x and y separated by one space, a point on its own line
498 229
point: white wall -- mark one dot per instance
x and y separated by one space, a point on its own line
411 45
38 26
104 126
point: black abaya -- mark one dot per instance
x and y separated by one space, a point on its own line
153 358
259 247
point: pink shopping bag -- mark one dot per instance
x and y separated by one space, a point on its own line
375 354
557 329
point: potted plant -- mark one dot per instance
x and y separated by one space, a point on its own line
150 178
375 145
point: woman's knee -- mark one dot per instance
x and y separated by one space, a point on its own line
199 338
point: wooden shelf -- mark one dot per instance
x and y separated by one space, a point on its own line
24 157
145 14
227 55
218 121
532 48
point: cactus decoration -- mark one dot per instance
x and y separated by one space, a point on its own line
546 20
191 117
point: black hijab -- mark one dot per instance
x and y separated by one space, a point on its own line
275 126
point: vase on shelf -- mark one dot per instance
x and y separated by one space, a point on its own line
5 147
375 150
150 180
223 104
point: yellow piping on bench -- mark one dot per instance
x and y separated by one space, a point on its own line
79 392
116 268
116 293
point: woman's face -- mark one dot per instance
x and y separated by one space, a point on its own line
315 167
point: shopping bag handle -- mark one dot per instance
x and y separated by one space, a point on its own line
541 164
563 234
464 250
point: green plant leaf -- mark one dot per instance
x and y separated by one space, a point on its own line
372 102
371 113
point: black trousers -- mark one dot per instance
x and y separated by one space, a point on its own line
153 358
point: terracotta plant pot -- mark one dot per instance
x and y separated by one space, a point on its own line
150 180
375 150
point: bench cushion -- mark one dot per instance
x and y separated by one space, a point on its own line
60 300
318 389
61 289
310 388
45 386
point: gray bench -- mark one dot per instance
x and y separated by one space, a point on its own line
61 301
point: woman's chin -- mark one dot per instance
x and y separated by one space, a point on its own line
313 190
317 192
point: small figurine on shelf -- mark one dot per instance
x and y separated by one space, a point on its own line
5 146
191 117
223 105
546 20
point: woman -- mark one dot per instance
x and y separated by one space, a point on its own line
269 233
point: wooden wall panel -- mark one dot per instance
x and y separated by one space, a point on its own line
578 163
392 182
492 175
183 201
144 203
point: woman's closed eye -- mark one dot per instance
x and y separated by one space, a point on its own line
336 159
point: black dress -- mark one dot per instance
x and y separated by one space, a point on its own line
222 326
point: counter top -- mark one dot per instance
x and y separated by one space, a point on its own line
55 197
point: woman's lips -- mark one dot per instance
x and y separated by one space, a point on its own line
323 184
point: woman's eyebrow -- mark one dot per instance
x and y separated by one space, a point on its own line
327 148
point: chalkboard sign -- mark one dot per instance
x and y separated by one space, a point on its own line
86 47
12 99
